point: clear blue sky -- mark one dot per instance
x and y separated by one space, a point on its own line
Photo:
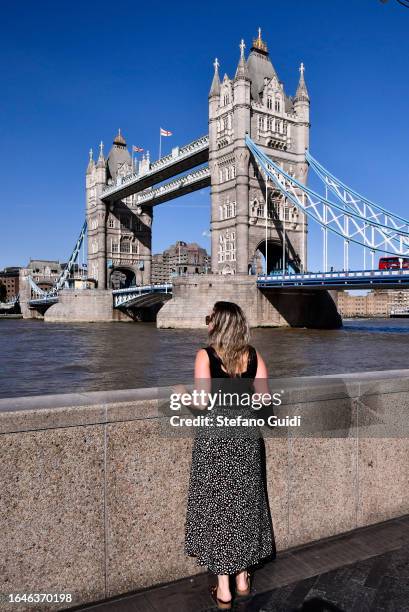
73 72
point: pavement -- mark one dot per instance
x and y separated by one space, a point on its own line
360 571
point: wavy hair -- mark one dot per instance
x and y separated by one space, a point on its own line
229 335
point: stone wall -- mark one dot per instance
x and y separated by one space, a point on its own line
88 305
93 495
193 298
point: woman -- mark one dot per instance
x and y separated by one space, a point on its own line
228 525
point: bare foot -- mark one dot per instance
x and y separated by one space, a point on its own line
242 581
223 593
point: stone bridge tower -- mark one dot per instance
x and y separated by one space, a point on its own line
119 234
255 102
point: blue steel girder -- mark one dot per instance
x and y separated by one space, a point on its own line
355 201
59 284
174 189
142 296
180 160
357 279
346 223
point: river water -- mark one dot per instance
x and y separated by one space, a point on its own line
42 358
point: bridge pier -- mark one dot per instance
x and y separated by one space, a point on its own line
84 305
193 299
25 295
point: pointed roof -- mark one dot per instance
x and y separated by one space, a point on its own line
101 158
215 88
259 66
91 163
242 70
119 139
302 91
118 155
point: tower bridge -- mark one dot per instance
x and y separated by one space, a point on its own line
256 161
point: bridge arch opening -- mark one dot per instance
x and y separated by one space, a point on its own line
122 278
274 259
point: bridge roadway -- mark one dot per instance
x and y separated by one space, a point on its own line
146 295
357 279
180 160
176 188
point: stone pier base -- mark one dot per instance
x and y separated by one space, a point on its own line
84 305
193 298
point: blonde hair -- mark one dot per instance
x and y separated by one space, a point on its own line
229 335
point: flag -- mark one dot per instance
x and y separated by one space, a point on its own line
165 132
136 149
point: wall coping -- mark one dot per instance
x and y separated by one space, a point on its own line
31 413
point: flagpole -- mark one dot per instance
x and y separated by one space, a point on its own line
133 169
160 143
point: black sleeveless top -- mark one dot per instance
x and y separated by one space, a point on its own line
216 364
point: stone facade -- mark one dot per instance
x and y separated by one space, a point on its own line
179 259
119 235
193 298
254 102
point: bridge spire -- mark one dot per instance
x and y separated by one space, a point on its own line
119 139
302 91
101 158
259 44
91 163
242 71
215 88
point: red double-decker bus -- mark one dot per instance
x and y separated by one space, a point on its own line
393 263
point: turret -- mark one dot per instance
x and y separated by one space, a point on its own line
302 110
100 174
91 163
241 95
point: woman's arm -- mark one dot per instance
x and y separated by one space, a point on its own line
202 376
261 379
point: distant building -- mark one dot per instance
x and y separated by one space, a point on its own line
45 271
179 259
377 303
9 277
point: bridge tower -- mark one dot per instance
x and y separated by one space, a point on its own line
119 234
254 102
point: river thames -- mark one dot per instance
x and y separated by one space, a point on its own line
40 358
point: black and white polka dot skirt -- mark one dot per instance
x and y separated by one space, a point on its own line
228 527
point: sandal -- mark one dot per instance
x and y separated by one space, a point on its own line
245 592
221 605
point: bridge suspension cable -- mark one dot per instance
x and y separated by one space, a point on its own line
354 200
349 222
60 282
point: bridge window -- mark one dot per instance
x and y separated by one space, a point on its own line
135 247
125 247
261 123
115 247
270 102
260 209
227 247
226 99
111 222
270 123
277 106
